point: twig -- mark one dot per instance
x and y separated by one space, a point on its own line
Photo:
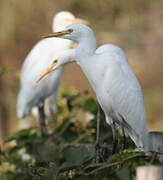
112 164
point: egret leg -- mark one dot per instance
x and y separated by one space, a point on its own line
101 149
98 127
97 144
42 120
124 139
114 148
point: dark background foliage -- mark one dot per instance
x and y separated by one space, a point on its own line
136 26
68 151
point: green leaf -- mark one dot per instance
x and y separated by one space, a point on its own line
77 156
90 105
46 152
124 173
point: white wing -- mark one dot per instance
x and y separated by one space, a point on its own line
36 62
122 99
39 58
114 50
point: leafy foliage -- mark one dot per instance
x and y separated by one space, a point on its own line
68 152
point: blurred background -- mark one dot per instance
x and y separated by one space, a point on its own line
134 25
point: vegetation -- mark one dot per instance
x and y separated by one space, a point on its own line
68 151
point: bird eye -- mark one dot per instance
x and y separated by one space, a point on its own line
70 30
55 61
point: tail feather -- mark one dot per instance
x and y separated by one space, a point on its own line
140 140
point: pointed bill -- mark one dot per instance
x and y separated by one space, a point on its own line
43 74
58 34
50 68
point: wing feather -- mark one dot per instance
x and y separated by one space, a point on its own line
125 98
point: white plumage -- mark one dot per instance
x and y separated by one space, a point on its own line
111 78
42 54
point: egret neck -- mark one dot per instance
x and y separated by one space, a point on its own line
84 54
86 47
67 55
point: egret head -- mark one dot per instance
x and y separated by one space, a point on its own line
53 66
75 32
63 19
62 58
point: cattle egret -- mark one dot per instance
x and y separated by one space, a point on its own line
114 83
32 94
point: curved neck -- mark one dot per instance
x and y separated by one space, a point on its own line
87 46
67 55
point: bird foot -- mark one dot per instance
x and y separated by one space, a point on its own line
102 153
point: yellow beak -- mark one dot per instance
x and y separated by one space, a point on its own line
50 68
64 32
57 34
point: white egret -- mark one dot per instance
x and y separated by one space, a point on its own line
114 83
32 94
